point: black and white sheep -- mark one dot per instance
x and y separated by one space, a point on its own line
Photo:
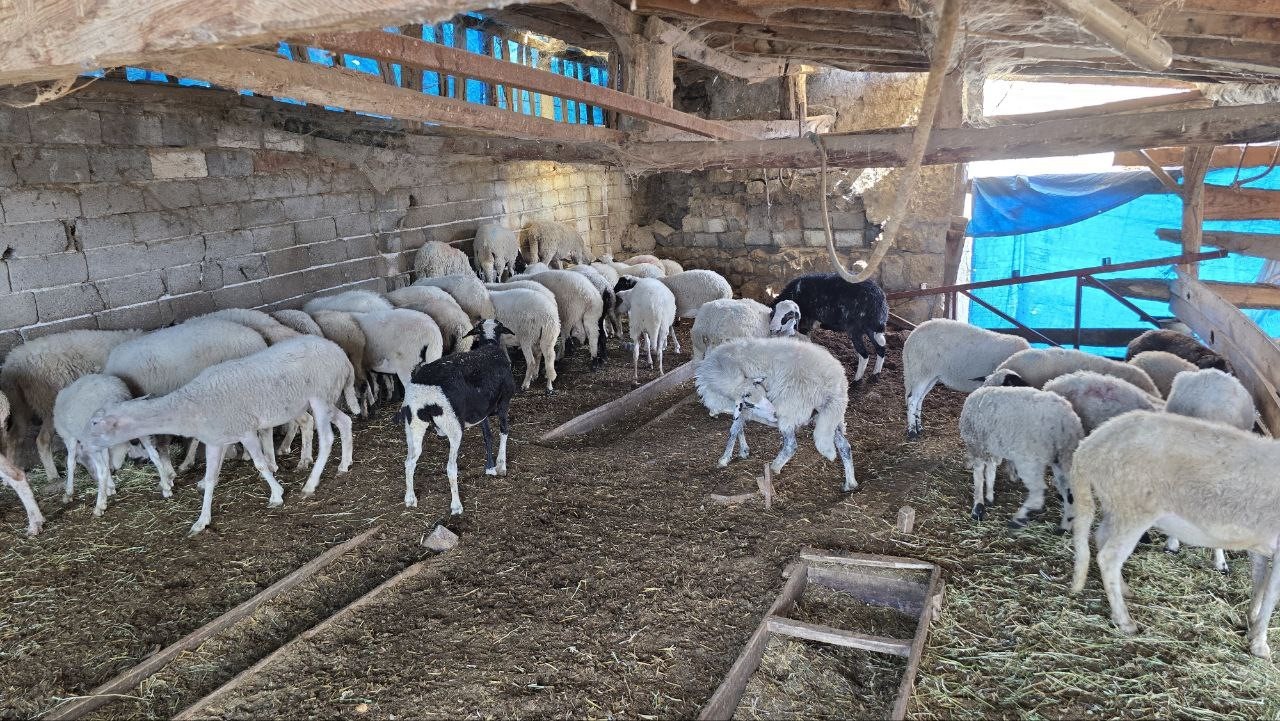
455 393
1179 344
956 354
13 476
858 309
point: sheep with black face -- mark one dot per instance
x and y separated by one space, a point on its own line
455 393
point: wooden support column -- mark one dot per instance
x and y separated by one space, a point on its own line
1194 166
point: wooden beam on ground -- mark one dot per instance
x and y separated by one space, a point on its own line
1194 167
837 636
270 74
1119 106
619 407
432 56
1254 356
1224 156
1257 245
1116 27
1241 203
1255 296
62 38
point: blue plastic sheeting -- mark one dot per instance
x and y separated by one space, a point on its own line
1022 204
1120 234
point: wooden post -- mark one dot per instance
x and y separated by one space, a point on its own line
1122 31
1195 164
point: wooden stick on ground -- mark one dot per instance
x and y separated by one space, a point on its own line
615 409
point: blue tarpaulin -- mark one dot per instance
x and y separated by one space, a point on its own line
1022 204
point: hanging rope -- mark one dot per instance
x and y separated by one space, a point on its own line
948 25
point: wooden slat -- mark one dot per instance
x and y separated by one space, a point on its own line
1241 203
432 56
1119 106
1254 356
270 74
864 559
899 594
1163 176
125 682
617 408
1127 35
1195 165
1258 245
837 637
1224 156
932 605
1255 296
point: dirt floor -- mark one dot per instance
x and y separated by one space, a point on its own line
597 580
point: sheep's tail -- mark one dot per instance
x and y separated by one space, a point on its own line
1082 502
825 427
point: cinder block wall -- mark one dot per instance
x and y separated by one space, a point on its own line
132 207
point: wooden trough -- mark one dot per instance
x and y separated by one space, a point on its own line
615 409
847 574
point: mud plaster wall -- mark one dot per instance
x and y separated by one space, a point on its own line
133 207
761 227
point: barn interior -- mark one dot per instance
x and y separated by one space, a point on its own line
160 161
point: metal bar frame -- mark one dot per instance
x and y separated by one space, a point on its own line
1142 314
1015 321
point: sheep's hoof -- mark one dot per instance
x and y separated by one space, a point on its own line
551 391
1059 531
979 511
456 509
502 471
1146 538
411 502
913 433
723 462
491 471
1174 551
850 487
1018 524
775 468
1261 649
97 512
66 498
1127 629
34 529
1225 570
275 502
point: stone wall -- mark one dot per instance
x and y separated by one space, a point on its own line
133 207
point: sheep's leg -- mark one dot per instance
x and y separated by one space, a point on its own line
675 338
863 355
100 469
259 457
1172 545
324 428
549 367
593 340
979 479
915 407
44 446
635 361
1068 500
786 452
118 453
166 478
1220 561
306 428
286 444
845 451
69 490
266 439
1112 554
1259 568
455 442
35 520
189 461
662 348
735 430
343 422
648 349
743 450
213 456
1032 476
414 430
1258 645
530 366
502 439
490 468
878 340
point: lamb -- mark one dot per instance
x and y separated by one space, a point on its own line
458 392
608 272
399 340
13 477
271 330
1162 366
779 382
1097 398
1179 344
342 329
443 309
534 323
467 290
1036 366
721 321
859 309
581 309
233 401
299 321
495 250
670 267
348 301
553 243
651 311
1031 428
76 404
1173 473
435 259
35 371
957 354
692 288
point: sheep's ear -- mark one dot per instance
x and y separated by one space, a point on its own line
1013 380
503 329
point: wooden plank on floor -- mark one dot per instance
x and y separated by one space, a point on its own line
617 408
933 605
837 636
864 559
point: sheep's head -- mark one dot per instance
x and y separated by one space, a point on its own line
1004 377
786 316
107 427
488 332
623 301
625 282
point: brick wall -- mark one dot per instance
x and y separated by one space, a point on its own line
132 207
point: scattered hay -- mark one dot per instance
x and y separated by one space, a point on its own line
803 680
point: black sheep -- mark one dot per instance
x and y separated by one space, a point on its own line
1179 344
456 392
859 309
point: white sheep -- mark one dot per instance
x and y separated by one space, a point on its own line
605 289
957 354
633 260
399 340
35 371
1097 398
348 301
1031 428
608 272
533 268
233 401
342 328
495 250
721 321
1212 395
783 383
670 267
523 283
450 318
299 321
581 309
692 288
535 322
651 311
553 243
271 330
639 270
76 404
467 290
12 476
1204 482
1036 366
1162 366
435 259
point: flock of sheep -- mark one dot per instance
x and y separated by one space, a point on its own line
1163 440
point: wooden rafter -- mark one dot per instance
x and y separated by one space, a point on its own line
1258 245
1119 106
431 56
1224 156
270 74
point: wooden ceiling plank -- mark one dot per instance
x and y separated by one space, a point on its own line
1119 106
1224 156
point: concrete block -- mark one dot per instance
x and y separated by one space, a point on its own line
117 260
362 247
9 340
177 251
848 238
70 126
8 178
37 166
702 240
161 224
114 165
716 225
361 270
242 268
273 237
131 129
245 295
315 231
132 289
282 287
169 195
332 251
288 260
261 212
68 301
353 225
102 232
440 540
213 217
169 163
239 136
182 129
815 238
758 236
184 279
216 191
47 270
147 316
17 310
82 322
848 220
271 186
228 245
693 224
228 163
274 139
21 206
21 240
192 305
304 207
13 125
788 237
342 204
110 199
320 279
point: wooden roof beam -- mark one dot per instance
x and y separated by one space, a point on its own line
1224 156
431 56
270 74
1119 106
